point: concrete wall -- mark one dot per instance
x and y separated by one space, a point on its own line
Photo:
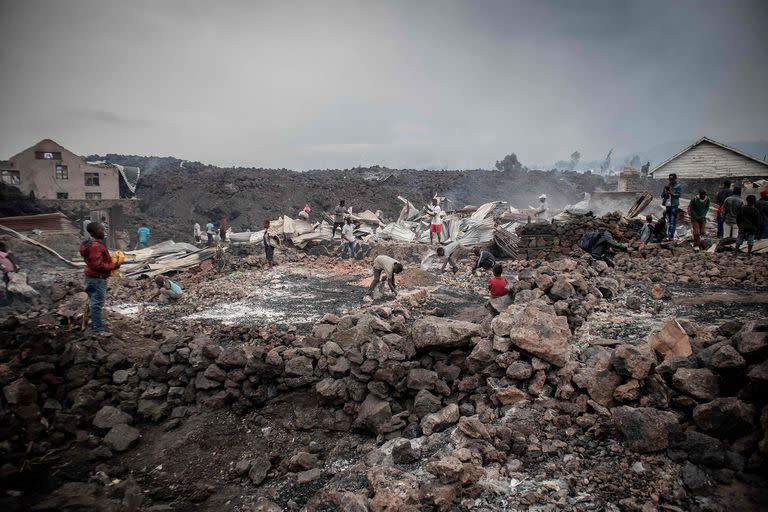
39 175
708 161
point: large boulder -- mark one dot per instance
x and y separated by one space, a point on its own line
374 415
300 366
600 384
443 418
121 437
646 429
20 393
633 361
425 403
561 289
434 332
536 329
672 340
109 416
702 449
725 417
700 383
752 339
421 378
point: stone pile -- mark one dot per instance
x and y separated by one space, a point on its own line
698 394
58 388
460 406
698 268
567 233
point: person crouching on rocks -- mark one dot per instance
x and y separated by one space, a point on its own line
168 290
485 260
388 266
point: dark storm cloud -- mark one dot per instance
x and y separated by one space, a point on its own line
416 84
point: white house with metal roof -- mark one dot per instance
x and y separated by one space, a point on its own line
709 159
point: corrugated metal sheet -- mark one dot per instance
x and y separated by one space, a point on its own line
478 233
48 223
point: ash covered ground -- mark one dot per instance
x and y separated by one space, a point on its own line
635 388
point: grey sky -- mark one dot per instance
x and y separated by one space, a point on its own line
404 84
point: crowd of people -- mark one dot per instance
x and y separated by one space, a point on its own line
740 219
744 220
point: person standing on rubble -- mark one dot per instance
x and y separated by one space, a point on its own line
269 249
106 230
435 222
390 267
98 268
209 231
762 207
698 209
731 208
449 252
223 227
348 239
143 236
671 197
720 198
485 260
542 213
749 224
197 233
338 218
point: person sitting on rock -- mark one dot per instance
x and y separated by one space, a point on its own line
449 252
168 290
485 260
497 285
390 267
646 232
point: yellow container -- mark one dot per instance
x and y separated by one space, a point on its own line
118 257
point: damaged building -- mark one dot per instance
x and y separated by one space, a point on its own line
50 171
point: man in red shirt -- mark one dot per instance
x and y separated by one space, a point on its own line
98 267
498 283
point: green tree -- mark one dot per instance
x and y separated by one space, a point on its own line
509 163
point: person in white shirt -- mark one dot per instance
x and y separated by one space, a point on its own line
542 213
435 223
197 232
348 238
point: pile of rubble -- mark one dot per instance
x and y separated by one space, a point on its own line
467 410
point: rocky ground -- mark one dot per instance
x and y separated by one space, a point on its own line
636 388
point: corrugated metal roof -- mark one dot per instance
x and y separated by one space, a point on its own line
48 223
